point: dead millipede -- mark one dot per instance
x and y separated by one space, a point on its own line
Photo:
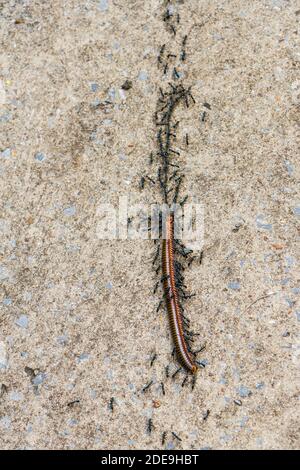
172 299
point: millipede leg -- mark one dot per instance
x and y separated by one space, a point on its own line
184 380
153 359
155 287
176 372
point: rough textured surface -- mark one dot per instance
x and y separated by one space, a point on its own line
78 317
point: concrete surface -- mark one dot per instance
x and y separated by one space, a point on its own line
78 321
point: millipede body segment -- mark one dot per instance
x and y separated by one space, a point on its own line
185 357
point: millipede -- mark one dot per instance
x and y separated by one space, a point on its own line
186 358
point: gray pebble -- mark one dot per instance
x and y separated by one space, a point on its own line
5 422
259 385
244 391
15 396
94 87
5 153
296 211
39 156
70 211
83 357
234 285
39 378
103 5
143 75
262 224
22 321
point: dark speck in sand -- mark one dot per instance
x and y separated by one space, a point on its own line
127 85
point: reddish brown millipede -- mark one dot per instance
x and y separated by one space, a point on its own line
172 298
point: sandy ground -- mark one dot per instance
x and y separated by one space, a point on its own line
78 323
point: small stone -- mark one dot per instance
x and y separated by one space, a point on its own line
5 153
39 156
122 157
237 227
171 9
5 117
103 5
4 273
22 321
96 103
116 46
290 302
127 85
39 378
289 167
5 422
217 37
122 94
262 224
238 402
234 285
296 211
16 396
244 392
170 446
72 422
259 385
94 87
83 357
244 421
62 340
70 211
111 94
143 75
3 356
